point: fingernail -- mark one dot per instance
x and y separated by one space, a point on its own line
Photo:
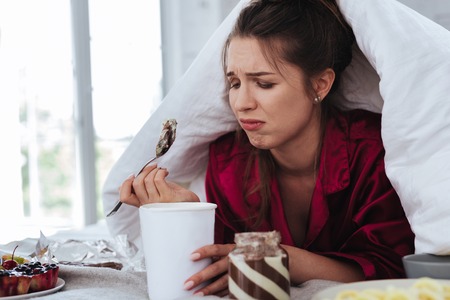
195 256
188 285
130 176
199 294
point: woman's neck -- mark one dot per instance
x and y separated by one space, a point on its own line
300 164
300 157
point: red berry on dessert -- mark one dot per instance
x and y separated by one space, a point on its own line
10 264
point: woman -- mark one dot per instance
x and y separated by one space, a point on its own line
299 165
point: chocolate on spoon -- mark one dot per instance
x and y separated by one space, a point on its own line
166 139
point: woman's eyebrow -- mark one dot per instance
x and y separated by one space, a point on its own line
252 74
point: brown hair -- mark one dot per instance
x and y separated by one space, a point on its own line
311 34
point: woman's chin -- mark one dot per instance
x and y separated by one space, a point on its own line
259 142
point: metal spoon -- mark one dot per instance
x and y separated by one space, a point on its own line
166 139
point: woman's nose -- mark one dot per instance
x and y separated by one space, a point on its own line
244 99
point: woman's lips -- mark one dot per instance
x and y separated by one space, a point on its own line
250 124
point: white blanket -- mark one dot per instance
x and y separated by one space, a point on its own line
402 69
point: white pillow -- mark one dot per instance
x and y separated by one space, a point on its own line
412 57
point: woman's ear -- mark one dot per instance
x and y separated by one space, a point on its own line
323 82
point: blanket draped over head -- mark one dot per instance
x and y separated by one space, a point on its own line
401 68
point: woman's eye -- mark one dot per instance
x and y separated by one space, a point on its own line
265 85
234 85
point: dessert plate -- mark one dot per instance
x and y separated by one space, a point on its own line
382 285
59 285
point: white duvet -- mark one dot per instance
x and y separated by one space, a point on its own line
401 68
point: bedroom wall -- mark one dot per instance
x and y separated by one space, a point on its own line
437 10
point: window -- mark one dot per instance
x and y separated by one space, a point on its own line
37 108
126 75
43 121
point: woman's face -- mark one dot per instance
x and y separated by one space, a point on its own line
274 109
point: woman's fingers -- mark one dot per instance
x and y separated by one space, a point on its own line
132 200
150 186
126 193
160 187
215 250
169 191
218 287
217 271
142 184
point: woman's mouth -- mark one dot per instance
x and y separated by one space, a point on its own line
251 124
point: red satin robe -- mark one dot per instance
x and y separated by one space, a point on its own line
355 213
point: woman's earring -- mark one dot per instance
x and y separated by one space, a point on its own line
317 100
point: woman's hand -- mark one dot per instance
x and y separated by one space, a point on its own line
151 187
216 272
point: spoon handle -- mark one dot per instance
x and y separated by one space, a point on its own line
146 164
119 203
115 209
